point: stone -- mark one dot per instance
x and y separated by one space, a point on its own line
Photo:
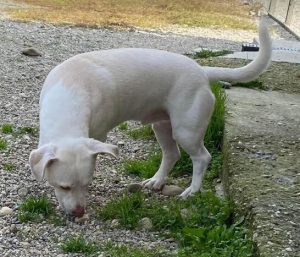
135 187
171 190
146 223
4 211
115 223
31 52
225 84
23 191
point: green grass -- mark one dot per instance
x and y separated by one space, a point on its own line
144 133
28 130
125 251
123 126
215 131
203 210
78 245
206 228
8 166
143 168
16 131
7 128
209 53
35 209
255 84
3 144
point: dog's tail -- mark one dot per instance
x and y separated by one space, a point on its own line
253 69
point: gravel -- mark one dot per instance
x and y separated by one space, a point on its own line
21 79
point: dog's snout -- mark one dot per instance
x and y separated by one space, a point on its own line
78 211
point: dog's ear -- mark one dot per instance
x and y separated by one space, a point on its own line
40 159
97 147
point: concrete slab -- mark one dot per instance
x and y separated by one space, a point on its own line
283 51
262 166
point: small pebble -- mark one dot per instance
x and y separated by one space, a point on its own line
115 223
23 191
4 211
146 223
133 188
31 52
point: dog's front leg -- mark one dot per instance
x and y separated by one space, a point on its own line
170 152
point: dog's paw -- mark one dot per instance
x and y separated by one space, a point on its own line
186 193
154 183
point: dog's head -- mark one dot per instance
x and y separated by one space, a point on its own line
69 167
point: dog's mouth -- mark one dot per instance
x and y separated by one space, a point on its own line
78 212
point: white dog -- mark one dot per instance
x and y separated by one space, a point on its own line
87 95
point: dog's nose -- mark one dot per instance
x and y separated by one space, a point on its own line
78 211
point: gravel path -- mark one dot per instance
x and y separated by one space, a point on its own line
21 78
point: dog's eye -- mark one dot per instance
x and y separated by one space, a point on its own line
66 188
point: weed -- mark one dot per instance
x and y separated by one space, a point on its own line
28 130
8 166
124 209
201 224
34 209
3 144
7 128
255 84
143 168
79 245
125 251
215 131
208 53
145 133
123 126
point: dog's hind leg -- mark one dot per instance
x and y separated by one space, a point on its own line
189 123
170 154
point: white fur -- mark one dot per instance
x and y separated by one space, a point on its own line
89 94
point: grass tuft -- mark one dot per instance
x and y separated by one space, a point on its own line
28 130
8 166
35 209
144 133
143 168
78 245
255 84
209 53
7 128
3 144
125 251
123 126
215 131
